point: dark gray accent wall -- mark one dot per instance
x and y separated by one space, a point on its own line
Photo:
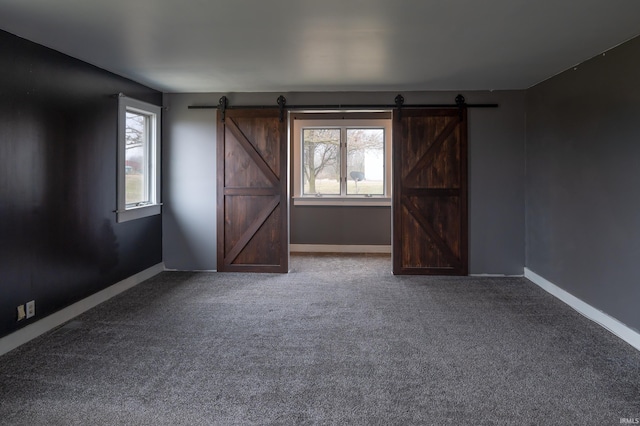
59 241
582 167
496 181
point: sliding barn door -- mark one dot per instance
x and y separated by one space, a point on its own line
430 192
252 192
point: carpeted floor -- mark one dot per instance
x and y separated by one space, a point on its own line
339 340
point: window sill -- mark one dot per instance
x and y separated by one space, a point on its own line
335 201
138 212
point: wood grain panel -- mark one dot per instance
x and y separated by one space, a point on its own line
430 192
252 187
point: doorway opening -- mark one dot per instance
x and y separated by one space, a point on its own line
428 187
340 182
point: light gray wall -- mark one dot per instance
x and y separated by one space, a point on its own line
582 167
496 180
189 184
496 184
338 225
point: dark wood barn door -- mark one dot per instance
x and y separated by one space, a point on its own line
252 192
430 192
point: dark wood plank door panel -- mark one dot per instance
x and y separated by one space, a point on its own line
430 192
252 192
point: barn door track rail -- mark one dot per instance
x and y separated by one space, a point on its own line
281 104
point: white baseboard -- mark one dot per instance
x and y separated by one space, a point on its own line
189 270
485 275
335 248
58 318
608 322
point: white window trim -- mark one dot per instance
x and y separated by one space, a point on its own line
124 213
299 122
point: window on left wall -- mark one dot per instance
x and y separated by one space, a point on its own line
138 159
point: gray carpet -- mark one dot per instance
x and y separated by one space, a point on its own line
339 340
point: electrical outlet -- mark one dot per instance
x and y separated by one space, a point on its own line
21 314
31 309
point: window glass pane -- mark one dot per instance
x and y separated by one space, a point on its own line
321 158
365 161
136 158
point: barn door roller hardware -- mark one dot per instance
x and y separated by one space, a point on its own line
282 101
399 104
461 105
222 107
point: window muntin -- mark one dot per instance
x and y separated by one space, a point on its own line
352 171
138 159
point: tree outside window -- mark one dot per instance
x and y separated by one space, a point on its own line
343 161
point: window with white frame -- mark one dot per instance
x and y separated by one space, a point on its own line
138 159
342 158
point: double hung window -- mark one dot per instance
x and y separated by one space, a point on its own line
138 159
342 158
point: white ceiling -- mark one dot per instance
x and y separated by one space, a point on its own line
327 45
